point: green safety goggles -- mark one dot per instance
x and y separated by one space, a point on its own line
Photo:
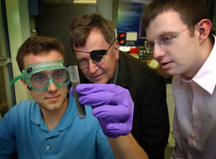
39 75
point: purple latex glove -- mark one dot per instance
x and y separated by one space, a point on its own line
112 106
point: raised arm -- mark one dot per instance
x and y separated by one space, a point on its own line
126 147
113 107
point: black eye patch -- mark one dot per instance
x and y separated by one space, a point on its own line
97 55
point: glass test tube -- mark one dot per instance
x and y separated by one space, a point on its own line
74 75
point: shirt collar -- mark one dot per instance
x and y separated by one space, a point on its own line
206 76
69 115
123 78
66 120
36 116
114 78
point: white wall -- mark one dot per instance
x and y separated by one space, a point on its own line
105 8
18 30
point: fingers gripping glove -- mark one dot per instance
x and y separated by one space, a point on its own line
112 106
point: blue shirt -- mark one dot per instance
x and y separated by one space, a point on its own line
23 131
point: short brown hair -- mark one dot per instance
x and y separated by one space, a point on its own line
81 27
191 11
38 45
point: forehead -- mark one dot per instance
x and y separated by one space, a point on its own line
165 22
95 41
52 55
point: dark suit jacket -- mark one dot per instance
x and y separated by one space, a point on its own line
148 91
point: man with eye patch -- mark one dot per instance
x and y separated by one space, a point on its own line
100 61
179 31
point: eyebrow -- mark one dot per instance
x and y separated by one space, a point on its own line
166 33
84 58
82 51
162 35
96 49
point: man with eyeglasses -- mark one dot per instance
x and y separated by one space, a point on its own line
100 61
179 31
49 126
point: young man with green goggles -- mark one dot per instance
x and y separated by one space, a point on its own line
49 126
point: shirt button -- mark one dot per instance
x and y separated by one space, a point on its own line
47 147
194 137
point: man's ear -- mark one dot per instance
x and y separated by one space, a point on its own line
204 27
24 83
116 49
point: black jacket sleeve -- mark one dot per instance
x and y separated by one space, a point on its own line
154 120
148 91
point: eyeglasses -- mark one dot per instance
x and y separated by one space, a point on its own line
164 40
97 56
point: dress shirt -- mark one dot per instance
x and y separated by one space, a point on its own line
194 125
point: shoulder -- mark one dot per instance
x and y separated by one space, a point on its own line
136 65
137 70
19 115
22 109
25 105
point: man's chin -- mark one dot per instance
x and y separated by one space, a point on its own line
51 108
170 72
99 80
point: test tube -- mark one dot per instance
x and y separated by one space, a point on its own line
74 76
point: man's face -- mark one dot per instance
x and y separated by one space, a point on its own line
180 53
52 98
98 73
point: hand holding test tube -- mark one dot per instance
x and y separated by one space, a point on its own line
112 105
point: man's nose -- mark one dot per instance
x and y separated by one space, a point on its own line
158 53
52 87
92 67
